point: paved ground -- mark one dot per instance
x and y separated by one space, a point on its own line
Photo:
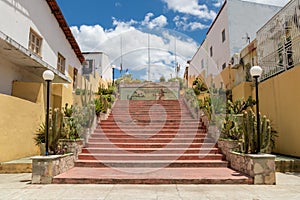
16 186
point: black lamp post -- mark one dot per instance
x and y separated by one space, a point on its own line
48 76
256 72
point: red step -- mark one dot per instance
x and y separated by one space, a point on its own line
84 175
151 163
165 148
149 150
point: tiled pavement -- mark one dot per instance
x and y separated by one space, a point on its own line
16 186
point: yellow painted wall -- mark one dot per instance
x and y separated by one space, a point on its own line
279 99
242 90
67 94
228 77
19 120
28 91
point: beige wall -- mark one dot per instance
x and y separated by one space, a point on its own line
243 90
28 91
279 99
19 120
228 77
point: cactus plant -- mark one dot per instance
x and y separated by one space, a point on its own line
88 107
249 144
55 129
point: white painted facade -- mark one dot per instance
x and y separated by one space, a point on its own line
237 19
101 64
17 18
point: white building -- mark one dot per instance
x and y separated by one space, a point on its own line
34 36
98 63
233 28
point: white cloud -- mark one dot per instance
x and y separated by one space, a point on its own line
158 22
217 3
135 46
271 2
191 7
182 23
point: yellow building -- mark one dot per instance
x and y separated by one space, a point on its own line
278 53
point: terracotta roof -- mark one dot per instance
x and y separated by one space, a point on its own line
65 27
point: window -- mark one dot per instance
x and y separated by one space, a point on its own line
224 66
61 63
75 74
35 42
202 64
211 51
88 67
223 36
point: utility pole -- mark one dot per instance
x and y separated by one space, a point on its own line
148 57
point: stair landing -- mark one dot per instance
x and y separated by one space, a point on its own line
86 175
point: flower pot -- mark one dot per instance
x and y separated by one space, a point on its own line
42 147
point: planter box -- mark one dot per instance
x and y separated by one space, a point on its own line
103 116
44 168
259 166
226 146
72 146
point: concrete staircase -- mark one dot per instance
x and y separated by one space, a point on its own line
151 142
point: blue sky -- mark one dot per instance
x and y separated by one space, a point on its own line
102 12
173 29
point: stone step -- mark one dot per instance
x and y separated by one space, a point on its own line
147 119
147 116
146 141
148 157
171 147
149 145
86 175
150 163
139 134
139 112
154 124
150 150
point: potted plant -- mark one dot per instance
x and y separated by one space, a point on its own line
259 165
40 139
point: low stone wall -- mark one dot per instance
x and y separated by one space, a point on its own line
226 146
72 146
259 166
44 168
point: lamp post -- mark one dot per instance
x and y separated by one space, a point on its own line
113 74
48 76
256 72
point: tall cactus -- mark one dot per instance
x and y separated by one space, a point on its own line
88 107
266 134
249 144
55 129
86 95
